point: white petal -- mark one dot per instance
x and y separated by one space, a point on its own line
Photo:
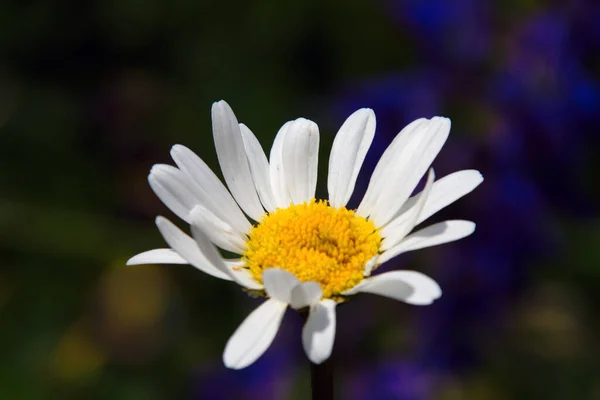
370 265
279 284
411 166
212 254
242 275
347 155
259 167
382 173
233 160
174 189
411 287
281 193
443 232
215 196
444 192
254 336
188 249
219 232
244 278
396 233
300 159
157 256
318 333
306 294
408 165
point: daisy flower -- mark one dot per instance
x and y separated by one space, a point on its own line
297 251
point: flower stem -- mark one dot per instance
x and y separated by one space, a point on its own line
321 375
321 380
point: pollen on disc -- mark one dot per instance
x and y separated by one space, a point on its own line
315 242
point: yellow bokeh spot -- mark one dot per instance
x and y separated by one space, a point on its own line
77 357
315 242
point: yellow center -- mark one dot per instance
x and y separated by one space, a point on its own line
315 242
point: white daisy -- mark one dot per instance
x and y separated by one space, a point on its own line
301 252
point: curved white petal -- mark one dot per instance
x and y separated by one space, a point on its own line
348 152
188 249
318 333
443 232
407 166
233 161
412 165
383 170
254 336
259 167
212 254
174 189
443 193
281 193
215 195
242 275
219 232
395 234
370 265
300 159
411 287
279 284
305 294
244 278
157 256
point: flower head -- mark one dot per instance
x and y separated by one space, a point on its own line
302 252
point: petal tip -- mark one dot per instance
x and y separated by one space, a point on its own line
154 169
161 169
231 364
160 220
178 149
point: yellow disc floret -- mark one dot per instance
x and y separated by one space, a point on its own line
315 242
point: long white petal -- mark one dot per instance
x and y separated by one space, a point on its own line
281 193
408 165
254 336
318 333
370 265
212 254
443 232
411 287
444 192
411 166
382 173
305 294
219 232
393 236
300 159
279 284
188 249
157 256
348 152
259 166
174 189
242 275
233 161
215 195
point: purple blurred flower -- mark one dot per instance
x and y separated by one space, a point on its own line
531 115
390 380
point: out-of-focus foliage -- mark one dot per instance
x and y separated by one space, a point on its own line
93 93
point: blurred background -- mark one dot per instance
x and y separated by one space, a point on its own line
92 94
